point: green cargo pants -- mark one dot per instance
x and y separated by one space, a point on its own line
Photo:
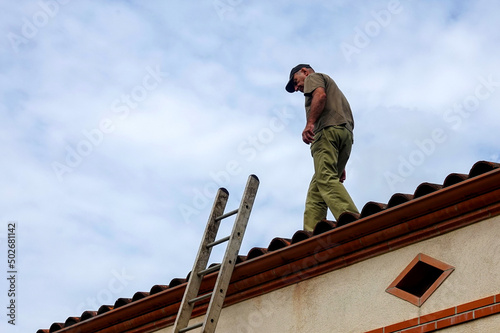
330 151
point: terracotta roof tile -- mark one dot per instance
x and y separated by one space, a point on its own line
175 282
159 287
278 243
87 315
140 295
372 208
104 309
240 259
56 327
399 199
426 188
346 218
324 226
301 235
121 302
256 252
454 178
71 321
482 167
347 223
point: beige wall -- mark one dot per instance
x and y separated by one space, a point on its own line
353 299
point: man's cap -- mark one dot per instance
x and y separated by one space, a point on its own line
290 86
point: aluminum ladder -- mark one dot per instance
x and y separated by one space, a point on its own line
225 268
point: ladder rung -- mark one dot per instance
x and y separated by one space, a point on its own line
209 270
189 328
199 298
223 216
217 242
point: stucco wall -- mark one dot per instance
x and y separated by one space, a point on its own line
353 299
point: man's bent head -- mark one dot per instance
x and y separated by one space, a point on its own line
297 76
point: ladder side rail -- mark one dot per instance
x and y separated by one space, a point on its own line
194 282
230 256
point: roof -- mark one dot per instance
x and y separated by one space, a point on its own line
433 209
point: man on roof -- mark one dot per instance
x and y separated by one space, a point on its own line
329 130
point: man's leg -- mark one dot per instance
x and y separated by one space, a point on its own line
344 150
316 208
330 153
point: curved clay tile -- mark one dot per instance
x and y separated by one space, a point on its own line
482 167
104 309
426 188
139 295
42 331
240 259
56 327
301 235
371 208
87 315
256 252
157 288
324 226
71 321
346 218
177 281
454 178
278 243
121 302
189 274
213 265
398 199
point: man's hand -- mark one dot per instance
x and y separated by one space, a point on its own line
308 134
342 176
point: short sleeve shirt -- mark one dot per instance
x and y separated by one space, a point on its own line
337 110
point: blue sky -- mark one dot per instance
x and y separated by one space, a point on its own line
119 120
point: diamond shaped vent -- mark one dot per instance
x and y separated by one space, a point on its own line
420 279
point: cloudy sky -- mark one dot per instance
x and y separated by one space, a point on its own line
119 119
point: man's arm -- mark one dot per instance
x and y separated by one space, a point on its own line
317 106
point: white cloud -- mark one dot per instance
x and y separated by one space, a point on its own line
218 113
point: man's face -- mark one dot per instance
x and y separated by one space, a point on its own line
298 80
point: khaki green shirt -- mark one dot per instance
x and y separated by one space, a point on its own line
337 110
